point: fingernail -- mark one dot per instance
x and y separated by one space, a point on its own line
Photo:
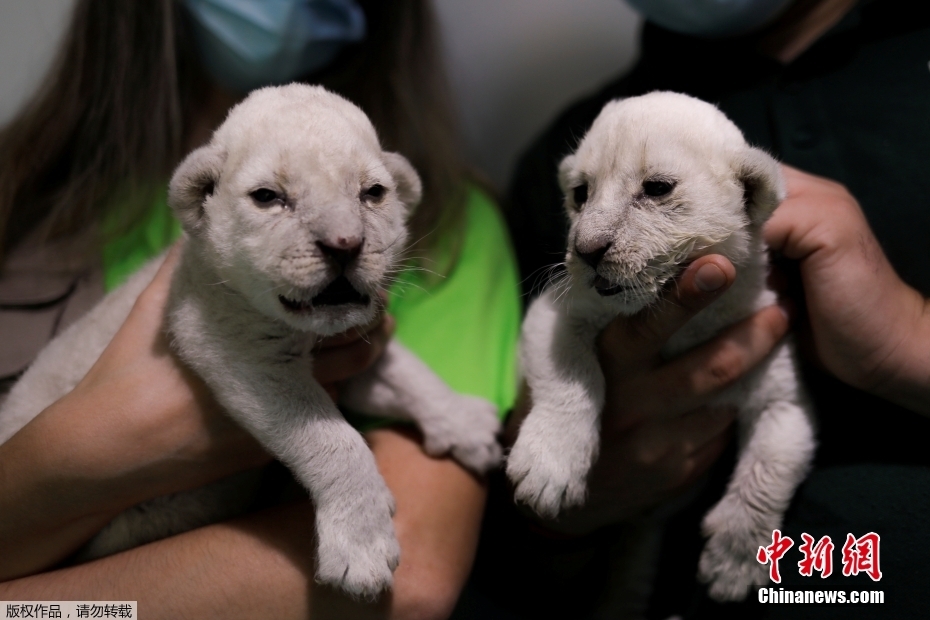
710 278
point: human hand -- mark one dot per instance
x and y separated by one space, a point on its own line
657 433
178 427
138 425
860 321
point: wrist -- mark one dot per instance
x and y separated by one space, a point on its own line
105 453
50 505
906 380
144 440
92 460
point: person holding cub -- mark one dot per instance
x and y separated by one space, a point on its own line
808 86
83 173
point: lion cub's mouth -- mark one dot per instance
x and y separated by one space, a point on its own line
340 291
604 289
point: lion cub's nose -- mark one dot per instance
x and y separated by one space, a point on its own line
592 256
343 250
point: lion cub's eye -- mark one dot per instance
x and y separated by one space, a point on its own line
580 195
657 188
374 193
266 197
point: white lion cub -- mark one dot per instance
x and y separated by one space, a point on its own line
658 181
293 218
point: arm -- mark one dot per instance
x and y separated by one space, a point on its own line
67 473
262 564
862 322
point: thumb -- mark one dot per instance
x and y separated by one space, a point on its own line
632 340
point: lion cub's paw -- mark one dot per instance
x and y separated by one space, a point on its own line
468 432
358 551
548 481
729 577
728 563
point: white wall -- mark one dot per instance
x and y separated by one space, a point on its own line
513 64
29 33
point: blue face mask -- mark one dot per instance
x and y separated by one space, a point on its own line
710 18
246 44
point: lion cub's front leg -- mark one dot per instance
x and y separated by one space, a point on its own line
559 440
277 400
400 385
357 549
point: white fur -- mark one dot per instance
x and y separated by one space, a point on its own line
723 191
228 320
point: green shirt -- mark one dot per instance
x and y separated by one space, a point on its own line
463 325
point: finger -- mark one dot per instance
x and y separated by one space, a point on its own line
798 180
680 467
780 229
335 364
668 441
628 341
155 296
696 429
688 382
816 212
697 464
689 433
143 326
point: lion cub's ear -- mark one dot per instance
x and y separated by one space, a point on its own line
763 185
567 182
566 167
192 182
409 187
